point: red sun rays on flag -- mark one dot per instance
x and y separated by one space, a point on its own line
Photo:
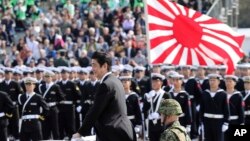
182 36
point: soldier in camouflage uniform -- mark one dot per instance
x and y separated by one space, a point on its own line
170 110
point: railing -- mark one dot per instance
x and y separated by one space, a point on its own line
226 11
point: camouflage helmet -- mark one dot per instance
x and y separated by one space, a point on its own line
170 107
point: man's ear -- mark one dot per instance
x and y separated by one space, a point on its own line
105 65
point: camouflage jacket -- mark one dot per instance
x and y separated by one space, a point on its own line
175 132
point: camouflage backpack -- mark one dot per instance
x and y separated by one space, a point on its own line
181 134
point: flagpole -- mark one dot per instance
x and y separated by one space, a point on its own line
148 61
147 32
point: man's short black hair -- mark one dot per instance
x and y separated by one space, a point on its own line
102 58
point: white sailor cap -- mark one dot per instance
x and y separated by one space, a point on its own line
1 71
185 66
157 76
64 69
89 68
170 73
115 68
125 78
194 68
177 76
74 69
27 70
38 70
212 67
48 73
17 71
214 75
222 67
8 70
55 70
243 66
83 71
139 68
233 77
127 68
202 67
30 80
165 67
246 79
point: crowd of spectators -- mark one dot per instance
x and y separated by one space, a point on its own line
67 32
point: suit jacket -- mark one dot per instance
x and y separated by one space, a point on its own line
109 113
132 52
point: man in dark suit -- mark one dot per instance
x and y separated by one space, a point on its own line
108 114
130 52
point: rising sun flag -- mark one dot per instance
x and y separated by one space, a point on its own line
182 36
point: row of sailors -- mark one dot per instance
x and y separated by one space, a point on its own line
240 70
146 86
58 100
139 73
213 110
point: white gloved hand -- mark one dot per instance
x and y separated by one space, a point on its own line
155 115
79 109
137 129
188 128
76 137
150 95
224 127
